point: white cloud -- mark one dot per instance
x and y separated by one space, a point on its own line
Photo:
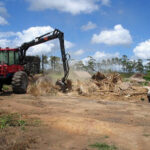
102 55
31 33
117 36
105 2
4 43
42 49
3 14
89 26
12 39
79 52
3 10
3 21
142 50
71 6
85 60
68 44
7 34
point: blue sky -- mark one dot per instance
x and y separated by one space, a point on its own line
119 26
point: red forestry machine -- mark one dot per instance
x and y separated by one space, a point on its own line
13 62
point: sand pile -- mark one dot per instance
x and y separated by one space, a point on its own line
79 75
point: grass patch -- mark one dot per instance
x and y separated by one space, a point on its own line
142 99
6 87
125 75
34 122
146 135
15 120
144 83
147 76
106 137
11 120
103 146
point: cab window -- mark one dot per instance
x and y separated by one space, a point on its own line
3 57
16 58
11 57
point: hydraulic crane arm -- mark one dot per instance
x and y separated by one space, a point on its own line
44 38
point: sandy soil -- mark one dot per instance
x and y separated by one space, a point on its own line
73 123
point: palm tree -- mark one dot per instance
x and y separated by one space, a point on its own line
91 64
124 63
139 66
104 64
147 66
44 61
79 65
108 63
54 60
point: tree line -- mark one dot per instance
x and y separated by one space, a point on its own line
123 64
116 64
52 62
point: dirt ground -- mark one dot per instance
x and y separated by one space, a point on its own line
75 122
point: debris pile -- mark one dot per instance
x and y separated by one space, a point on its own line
105 86
109 86
85 88
107 82
98 76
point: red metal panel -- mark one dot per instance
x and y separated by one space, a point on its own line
5 69
8 49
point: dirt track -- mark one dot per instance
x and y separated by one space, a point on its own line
73 123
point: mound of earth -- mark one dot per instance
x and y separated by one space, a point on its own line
138 75
137 78
79 75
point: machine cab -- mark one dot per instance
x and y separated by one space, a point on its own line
9 56
9 62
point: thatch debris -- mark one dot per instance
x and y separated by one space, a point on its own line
100 85
98 76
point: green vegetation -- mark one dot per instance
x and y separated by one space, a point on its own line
142 99
103 146
11 120
106 137
126 75
144 83
15 120
147 76
6 87
123 64
146 135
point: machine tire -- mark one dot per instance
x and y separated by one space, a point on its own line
20 82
